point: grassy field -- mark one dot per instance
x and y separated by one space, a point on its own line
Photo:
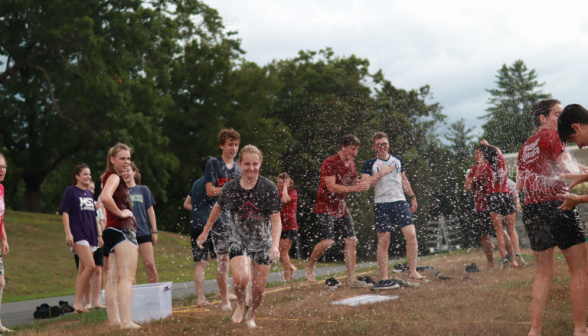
493 302
41 265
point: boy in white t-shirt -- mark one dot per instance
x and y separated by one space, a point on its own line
386 173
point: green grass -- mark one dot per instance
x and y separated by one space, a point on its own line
41 265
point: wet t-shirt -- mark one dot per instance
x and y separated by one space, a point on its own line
479 191
488 175
250 210
219 174
389 188
288 214
79 205
142 200
2 208
331 203
201 205
539 167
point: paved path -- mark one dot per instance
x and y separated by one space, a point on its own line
21 312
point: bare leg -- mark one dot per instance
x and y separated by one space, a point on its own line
222 278
350 258
260 274
199 282
86 258
545 265
146 250
382 254
96 277
487 245
317 253
110 294
412 251
126 264
512 232
497 223
2 284
104 273
241 270
289 269
87 289
578 264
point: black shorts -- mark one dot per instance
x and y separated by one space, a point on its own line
259 258
201 254
145 239
483 223
98 258
343 226
113 236
292 234
501 203
548 226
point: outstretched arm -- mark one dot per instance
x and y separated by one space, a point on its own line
340 189
485 143
214 215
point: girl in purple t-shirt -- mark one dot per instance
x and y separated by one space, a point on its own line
81 234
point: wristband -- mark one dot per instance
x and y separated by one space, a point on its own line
154 231
411 197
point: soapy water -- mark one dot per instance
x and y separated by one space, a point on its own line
553 180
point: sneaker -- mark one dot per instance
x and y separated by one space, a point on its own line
445 277
521 257
359 284
505 261
406 283
384 285
66 307
44 311
330 282
472 269
366 279
399 268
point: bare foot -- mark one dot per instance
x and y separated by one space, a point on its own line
250 320
309 271
114 324
417 276
79 309
534 332
238 314
490 265
582 331
3 329
203 303
130 325
293 270
227 307
98 306
232 297
88 307
514 263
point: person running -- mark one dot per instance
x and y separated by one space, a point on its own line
200 205
144 213
4 237
81 234
92 291
120 238
220 170
391 211
548 221
289 235
338 177
254 205
500 201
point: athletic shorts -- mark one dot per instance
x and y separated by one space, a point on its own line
113 236
292 234
483 223
221 240
391 216
258 257
548 227
343 226
501 203
201 254
98 258
145 239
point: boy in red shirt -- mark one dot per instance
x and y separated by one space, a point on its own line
338 177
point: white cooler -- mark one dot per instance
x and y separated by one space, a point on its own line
150 301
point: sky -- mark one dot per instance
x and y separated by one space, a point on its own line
456 47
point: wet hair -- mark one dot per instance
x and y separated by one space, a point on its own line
285 176
227 134
349 140
491 156
572 114
137 172
204 161
542 108
380 135
77 171
250 149
113 152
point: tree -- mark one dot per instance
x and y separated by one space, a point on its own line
81 76
508 123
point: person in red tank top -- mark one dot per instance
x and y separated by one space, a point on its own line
5 249
289 235
119 237
548 221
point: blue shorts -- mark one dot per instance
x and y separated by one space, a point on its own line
391 216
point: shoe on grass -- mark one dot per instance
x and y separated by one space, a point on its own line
521 257
44 311
367 279
405 283
385 285
399 268
330 282
66 307
472 268
359 284
505 261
